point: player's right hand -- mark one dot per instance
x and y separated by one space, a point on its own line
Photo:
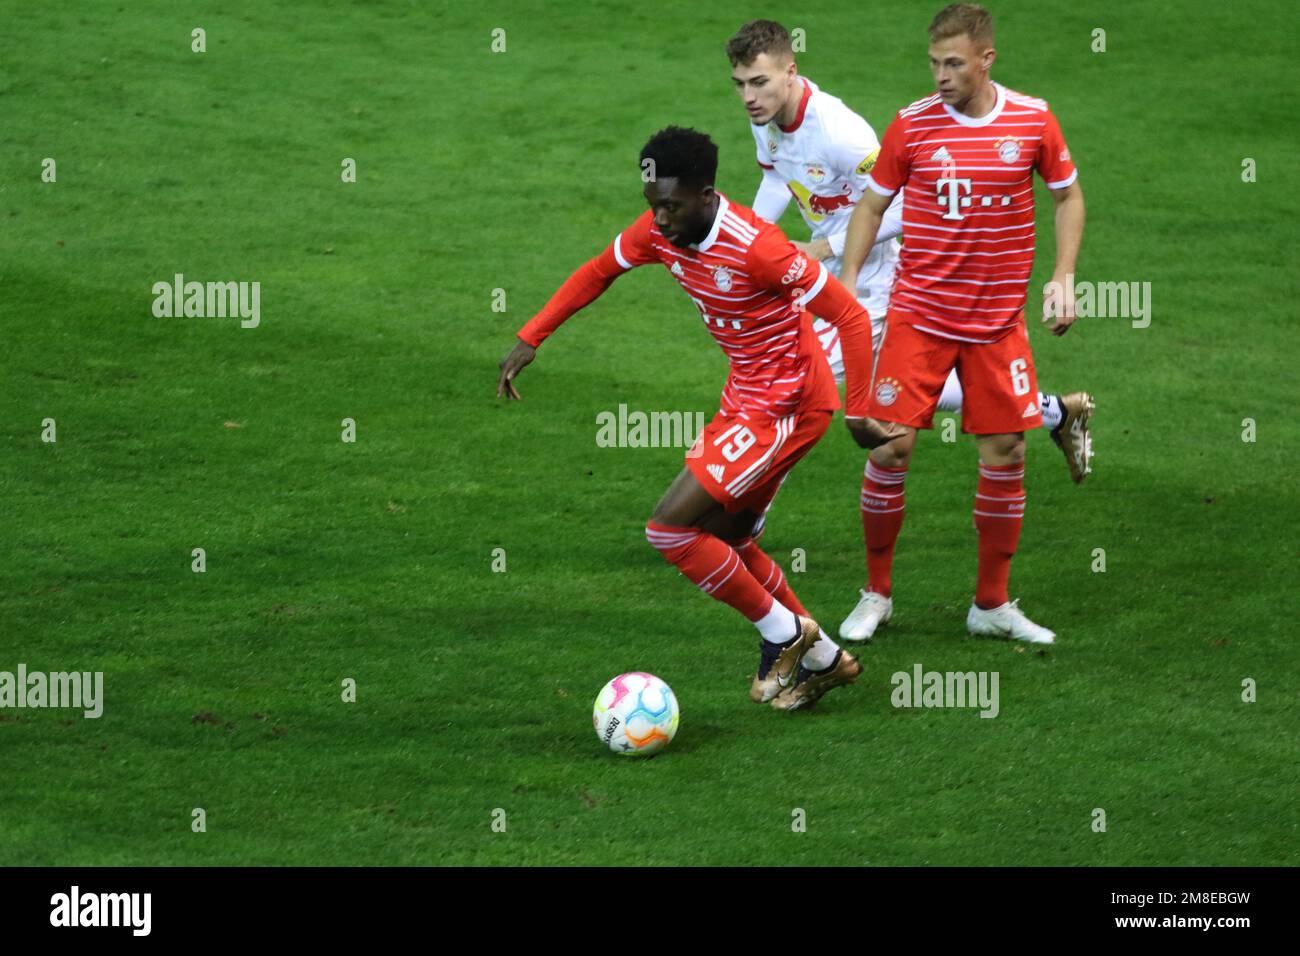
869 433
515 359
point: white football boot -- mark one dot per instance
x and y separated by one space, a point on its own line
1007 621
872 611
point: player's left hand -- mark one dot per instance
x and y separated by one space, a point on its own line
516 359
818 249
1058 304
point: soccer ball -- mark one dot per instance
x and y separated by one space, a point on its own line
636 714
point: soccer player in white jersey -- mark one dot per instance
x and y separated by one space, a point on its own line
816 150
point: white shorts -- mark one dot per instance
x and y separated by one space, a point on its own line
874 283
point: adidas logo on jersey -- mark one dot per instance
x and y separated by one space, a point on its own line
716 471
941 155
676 269
1030 409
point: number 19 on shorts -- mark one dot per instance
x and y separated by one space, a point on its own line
742 441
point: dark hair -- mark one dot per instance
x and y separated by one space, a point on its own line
759 36
684 154
963 18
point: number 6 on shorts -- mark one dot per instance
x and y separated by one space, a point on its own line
1020 377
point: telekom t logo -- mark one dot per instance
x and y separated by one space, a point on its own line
953 199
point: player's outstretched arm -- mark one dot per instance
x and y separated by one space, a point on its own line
864 224
515 359
1058 297
582 288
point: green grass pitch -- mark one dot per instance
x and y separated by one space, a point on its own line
373 560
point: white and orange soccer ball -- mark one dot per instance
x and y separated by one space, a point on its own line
636 714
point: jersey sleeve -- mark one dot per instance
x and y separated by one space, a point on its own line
760 147
775 262
772 198
630 248
1054 163
852 150
891 223
852 147
892 166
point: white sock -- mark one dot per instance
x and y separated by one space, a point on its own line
950 397
821 654
778 625
1052 410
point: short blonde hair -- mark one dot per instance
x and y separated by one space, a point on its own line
963 18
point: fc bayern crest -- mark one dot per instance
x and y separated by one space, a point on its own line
887 391
1008 149
722 278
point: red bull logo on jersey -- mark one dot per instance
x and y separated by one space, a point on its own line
815 173
822 205
1008 149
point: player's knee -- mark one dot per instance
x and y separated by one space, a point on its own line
897 451
1004 449
662 515
733 528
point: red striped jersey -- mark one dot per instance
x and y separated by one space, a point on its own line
750 285
968 210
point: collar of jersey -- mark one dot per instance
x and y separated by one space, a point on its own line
988 117
803 108
712 237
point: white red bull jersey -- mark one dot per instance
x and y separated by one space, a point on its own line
824 158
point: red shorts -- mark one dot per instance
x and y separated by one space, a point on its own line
1000 389
741 461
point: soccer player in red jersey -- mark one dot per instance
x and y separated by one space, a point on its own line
754 291
967 155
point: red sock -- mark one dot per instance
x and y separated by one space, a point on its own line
769 574
882 518
713 565
999 512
